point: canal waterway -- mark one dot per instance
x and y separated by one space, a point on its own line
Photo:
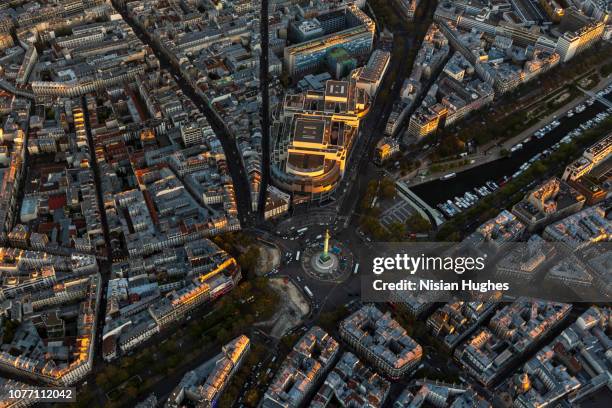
439 191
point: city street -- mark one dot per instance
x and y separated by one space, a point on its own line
233 156
361 169
437 228
105 262
328 296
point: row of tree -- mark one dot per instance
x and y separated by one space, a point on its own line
513 191
227 319
385 189
234 388
502 125
243 248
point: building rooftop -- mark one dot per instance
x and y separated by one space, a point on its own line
304 367
381 338
309 131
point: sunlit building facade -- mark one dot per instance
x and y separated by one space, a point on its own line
357 39
314 137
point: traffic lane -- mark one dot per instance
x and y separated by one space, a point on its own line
241 183
328 296
373 127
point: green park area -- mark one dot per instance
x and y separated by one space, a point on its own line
450 165
242 247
